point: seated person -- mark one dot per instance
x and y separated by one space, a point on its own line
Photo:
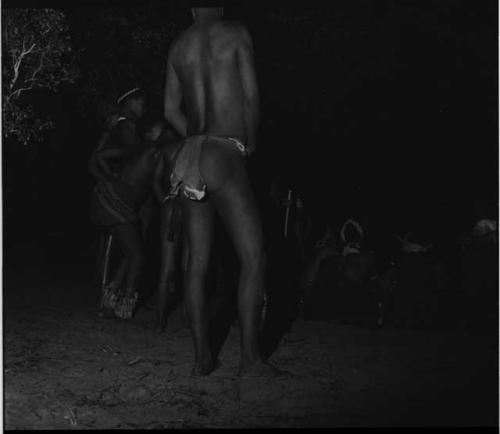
479 270
485 230
325 247
336 281
356 264
352 236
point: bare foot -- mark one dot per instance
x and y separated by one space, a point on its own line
261 369
205 367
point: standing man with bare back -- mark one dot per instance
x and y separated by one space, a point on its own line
210 74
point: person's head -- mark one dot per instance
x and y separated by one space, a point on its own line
352 232
154 131
207 13
132 102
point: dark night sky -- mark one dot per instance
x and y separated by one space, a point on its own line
397 97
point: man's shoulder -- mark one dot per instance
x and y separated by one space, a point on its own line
180 40
229 35
236 28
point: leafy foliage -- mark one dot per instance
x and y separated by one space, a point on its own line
37 55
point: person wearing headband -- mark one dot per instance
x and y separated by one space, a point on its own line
120 167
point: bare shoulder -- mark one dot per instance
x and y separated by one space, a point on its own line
235 29
229 36
179 42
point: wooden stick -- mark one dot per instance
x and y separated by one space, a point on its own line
105 271
287 215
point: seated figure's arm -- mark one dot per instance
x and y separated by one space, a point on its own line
100 167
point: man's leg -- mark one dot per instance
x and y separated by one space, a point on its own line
198 220
167 267
121 271
236 205
166 284
130 242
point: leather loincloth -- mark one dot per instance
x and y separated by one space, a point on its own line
185 174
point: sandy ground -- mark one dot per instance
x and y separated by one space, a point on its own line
66 368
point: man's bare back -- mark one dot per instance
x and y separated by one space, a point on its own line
210 68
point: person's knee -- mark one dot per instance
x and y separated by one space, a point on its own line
254 260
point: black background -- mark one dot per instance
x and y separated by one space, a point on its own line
383 108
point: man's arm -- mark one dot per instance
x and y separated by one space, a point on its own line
93 166
96 170
173 99
99 166
251 97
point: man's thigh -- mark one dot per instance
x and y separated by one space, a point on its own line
198 222
237 207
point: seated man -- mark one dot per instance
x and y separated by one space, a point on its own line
124 167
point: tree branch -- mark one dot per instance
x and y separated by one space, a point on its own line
17 63
38 69
18 92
